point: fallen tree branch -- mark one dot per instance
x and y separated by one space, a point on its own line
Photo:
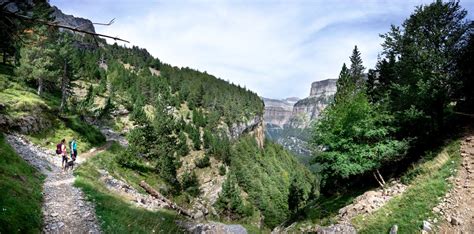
160 197
465 114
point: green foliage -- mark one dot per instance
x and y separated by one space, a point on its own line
36 62
190 184
344 84
222 170
465 71
195 136
418 78
298 195
88 132
355 136
183 148
203 162
198 118
20 193
357 69
229 204
266 174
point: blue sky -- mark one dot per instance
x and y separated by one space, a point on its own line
275 48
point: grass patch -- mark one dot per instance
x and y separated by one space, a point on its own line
87 136
20 193
410 209
115 214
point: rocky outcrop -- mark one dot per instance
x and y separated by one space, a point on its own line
25 124
371 201
253 127
71 21
323 88
213 228
308 109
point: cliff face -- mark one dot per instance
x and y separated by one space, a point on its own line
253 127
287 122
323 88
69 20
308 109
278 112
300 113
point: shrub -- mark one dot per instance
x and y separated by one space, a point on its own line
203 162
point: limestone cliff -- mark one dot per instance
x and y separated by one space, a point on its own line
287 122
300 113
253 127
278 112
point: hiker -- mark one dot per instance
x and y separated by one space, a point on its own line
73 148
63 152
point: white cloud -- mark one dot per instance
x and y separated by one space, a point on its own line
275 48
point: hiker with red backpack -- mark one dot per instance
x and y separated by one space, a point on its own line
62 150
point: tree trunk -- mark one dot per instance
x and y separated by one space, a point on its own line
377 179
381 178
40 86
64 82
171 204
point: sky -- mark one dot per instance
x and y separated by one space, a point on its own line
274 48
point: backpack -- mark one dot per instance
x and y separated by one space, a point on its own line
58 148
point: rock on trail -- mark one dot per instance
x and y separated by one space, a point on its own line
65 209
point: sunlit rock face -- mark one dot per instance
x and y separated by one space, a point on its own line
278 112
287 121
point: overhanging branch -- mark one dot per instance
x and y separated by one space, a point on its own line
52 24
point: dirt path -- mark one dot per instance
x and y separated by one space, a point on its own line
458 205
65 209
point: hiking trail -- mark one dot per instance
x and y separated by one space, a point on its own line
65 207
457 206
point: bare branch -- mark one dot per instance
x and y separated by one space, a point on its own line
53 24
107 24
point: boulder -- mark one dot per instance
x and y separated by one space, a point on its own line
427 226
394 229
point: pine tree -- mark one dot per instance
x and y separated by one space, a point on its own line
297 195
357 68
344 84
36 62
229 204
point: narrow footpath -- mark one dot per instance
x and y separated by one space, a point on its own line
457 207
65 209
